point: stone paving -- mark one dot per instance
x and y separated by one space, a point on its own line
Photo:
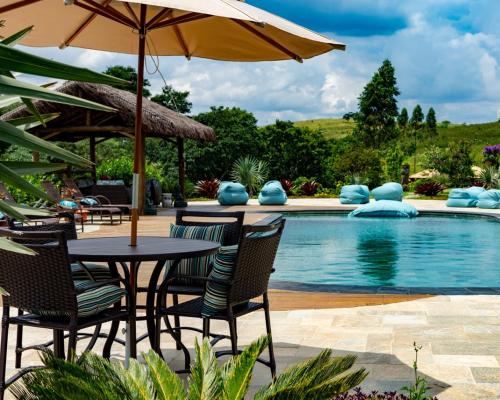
459 335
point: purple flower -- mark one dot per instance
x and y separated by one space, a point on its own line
492 150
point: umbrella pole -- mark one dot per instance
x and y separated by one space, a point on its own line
138 177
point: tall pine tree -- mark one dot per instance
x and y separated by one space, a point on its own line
430 122
378 109
403 118
416 120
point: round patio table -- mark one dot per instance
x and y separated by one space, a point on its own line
113 250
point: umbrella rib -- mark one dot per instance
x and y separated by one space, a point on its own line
269 40
108 12
82 27
166 12
182 42
132 14
16 5
99 12
179 20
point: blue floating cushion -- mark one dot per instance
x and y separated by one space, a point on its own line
89 201
388 191
385 208
232 194
475 191
489 199
354 194
461 198
272 193
2 215
68 204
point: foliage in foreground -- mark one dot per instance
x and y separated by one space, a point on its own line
92 377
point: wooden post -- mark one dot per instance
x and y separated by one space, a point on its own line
35 156
182 166
93 158
138 143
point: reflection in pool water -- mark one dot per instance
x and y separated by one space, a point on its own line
428 251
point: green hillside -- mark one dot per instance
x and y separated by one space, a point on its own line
479 135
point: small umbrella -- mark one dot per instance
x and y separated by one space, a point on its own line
227 30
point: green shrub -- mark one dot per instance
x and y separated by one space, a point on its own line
361 162
122 168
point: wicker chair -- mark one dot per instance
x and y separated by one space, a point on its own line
43 282
257 250
68 226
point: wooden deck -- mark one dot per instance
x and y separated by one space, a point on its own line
279 299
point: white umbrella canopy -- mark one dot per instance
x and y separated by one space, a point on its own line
228 30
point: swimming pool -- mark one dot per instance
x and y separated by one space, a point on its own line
321 251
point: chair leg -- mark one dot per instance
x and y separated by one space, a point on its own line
177 321
72 343
19 342
272 360
233 335
106 351
58 343
3 348
206 328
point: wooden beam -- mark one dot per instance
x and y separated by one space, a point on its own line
101 13
52 134
189 17
269 40
182 42
132 14
87 129
16 5
164 13
182 166
92 154
82 26
111 11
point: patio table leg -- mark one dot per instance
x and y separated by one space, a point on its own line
131 335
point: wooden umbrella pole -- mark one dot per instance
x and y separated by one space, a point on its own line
138 143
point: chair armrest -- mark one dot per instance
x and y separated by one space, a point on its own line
201 279
101 199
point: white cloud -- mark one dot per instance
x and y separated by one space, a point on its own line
93 58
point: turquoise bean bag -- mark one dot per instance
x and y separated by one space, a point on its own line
272 193
354 194
385 208
489 199
232 194
464 197
388 191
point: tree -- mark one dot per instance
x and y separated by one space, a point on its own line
403 118
378 110
430 122
394 160
236 132
417 117
128 74
292 151
359 162
454 161
173 99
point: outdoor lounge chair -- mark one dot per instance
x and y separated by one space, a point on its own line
65 223
54 194
42 286
231 291
100 199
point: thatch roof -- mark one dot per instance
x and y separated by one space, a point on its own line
158 121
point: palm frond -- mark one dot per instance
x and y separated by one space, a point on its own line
32 121
16 37
205 382
137 379
167 383
12 178
32 167
237 372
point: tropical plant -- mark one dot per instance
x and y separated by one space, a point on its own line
92 377
429 188
358 394
490 178
309 188
419 389
121 168
208 188
13 132
287 185
250 172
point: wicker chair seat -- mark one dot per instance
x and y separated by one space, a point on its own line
90 301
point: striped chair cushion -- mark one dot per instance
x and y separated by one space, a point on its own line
99 272
199 266
91 301
214 300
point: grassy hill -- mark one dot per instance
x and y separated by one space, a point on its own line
479 135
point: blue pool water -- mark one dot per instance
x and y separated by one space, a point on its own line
428 251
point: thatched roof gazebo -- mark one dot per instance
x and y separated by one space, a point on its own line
75 124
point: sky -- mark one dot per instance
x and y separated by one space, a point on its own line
446 54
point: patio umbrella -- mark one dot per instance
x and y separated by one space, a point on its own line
227 30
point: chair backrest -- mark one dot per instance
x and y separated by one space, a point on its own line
233 222
254 263
116 194
52 191
73 188
68 227
42 281
5 194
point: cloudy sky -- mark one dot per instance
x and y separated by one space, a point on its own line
446 54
